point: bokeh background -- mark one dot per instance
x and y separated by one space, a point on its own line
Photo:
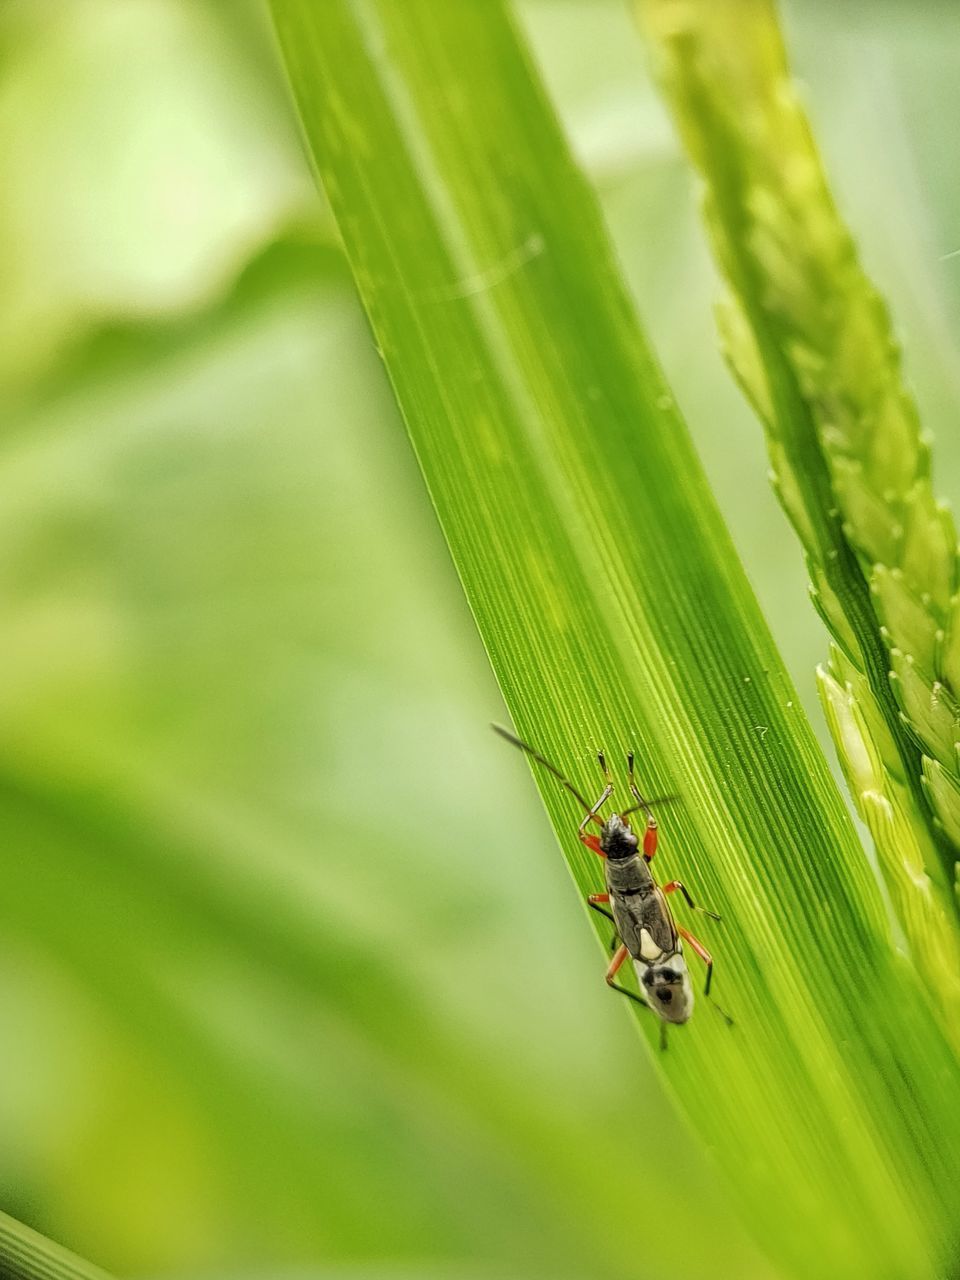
292 980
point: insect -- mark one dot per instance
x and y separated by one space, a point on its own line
646 931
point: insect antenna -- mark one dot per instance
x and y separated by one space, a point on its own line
551 768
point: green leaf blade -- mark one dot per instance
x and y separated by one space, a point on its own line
27 1255
616 615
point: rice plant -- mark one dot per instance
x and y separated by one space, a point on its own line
293 981
613 607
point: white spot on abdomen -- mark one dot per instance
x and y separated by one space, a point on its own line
648 948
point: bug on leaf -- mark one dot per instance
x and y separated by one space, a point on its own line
646 931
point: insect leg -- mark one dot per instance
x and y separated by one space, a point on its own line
592 842
615 963
707 959
605 794
591 815
650 835
678 884
620 956
650 838
701 951
594 901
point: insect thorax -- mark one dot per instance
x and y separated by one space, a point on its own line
628 875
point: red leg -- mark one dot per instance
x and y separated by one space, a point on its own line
678 884
592 842
650 839
707 959
618 959
619 956
650 835
701 951
596 903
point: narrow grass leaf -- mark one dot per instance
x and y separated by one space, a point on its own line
27 1255
616 614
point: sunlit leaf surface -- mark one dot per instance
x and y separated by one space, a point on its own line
241 1025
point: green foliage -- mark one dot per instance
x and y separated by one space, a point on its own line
25 1255
291 976
232 755
615 613
812 344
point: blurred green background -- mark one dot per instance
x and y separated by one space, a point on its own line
291 977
